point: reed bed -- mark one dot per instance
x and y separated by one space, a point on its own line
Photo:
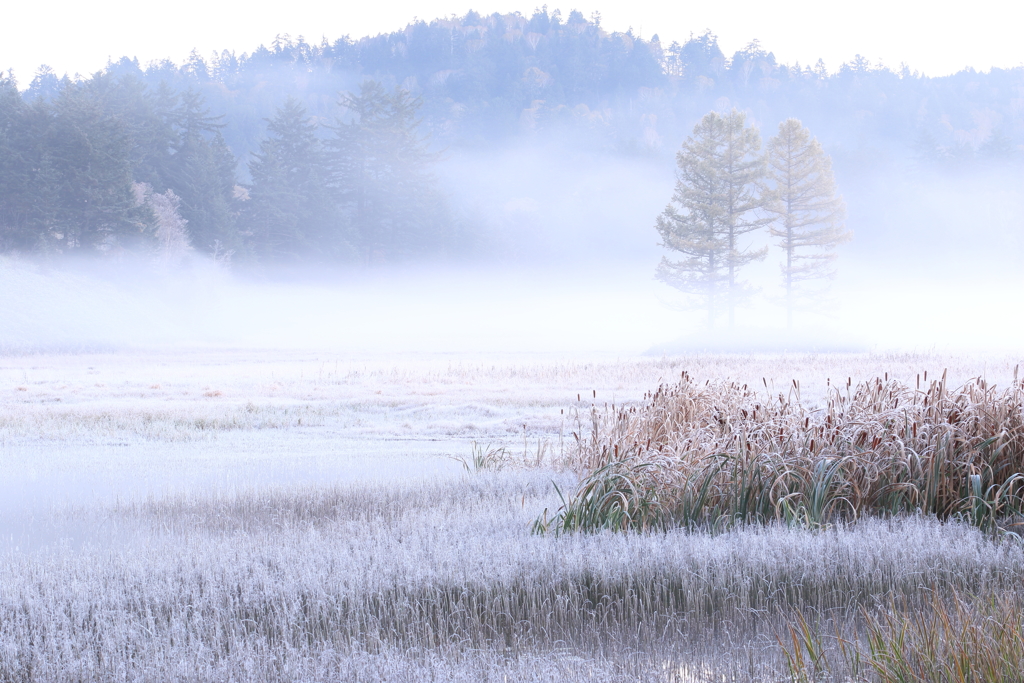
716 453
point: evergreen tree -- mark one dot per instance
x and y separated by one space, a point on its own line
742 172
149 118
998 149
202 175
808 213
291 211
65 174
381 171
692 223
90 152
15 184
719 189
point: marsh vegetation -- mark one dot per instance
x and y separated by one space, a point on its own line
211 561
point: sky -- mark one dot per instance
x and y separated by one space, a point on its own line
78 37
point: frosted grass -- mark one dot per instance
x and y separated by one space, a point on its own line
232 542
185 396
296 583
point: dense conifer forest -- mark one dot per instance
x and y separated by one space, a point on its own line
326 152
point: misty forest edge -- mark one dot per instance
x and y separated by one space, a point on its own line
326 153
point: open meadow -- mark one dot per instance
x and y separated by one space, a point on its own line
303 516
411 342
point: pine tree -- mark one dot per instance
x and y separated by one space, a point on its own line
202 174
15 173
718 193
381 171
291 210
742 172
808 213
694 229
65 177
149 118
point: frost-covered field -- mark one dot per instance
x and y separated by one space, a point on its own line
216 515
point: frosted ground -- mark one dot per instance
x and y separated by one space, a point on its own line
258 515
80 427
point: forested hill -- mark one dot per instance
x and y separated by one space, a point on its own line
73 148
484 78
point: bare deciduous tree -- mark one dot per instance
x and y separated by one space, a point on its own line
171 229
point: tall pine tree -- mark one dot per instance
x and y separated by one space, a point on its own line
202 175
381 171
16 182
291 212
719 192
808 214
742 173
66 174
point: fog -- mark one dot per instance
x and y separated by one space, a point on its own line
306 351
517 211
934 267
415 309
935 263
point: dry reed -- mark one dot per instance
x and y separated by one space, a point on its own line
719 453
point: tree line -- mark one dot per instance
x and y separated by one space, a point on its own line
110 164
227 135
726 190
364 191
490 78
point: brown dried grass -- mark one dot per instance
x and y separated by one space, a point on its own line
720 452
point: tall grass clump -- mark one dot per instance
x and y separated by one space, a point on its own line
956 639
618 497
717 453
